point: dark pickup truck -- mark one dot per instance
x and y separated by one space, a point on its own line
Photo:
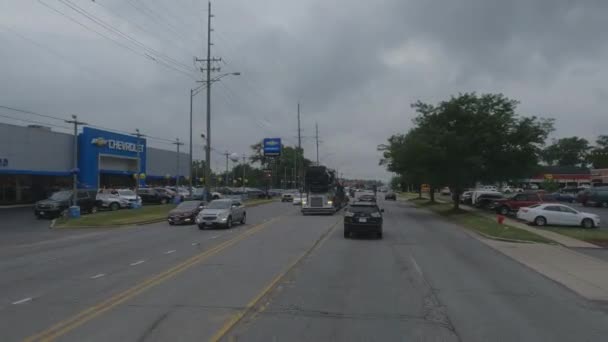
512 204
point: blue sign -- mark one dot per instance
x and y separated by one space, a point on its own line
272 147
93 143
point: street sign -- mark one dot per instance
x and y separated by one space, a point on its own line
272 147
426 188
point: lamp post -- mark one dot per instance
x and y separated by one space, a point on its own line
208 83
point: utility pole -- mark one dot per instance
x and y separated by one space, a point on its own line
191 161
317 135
299 149
227 154
244 164
208 70
285 177
75 157
178 143
137 173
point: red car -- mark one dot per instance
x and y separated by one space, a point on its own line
512 204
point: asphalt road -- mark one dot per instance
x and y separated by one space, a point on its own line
285 277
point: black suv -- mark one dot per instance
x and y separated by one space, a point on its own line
60 201
149 195
363 217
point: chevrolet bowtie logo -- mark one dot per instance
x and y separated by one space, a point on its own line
99 142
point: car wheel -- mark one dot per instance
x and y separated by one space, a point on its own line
229 222
201 227
379 234
504 210
171 223
163 201
93 210
114 206
587 223
346 234
540 221
244 218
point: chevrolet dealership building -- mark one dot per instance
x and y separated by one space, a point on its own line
35 161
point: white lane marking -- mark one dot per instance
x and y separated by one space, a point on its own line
138 262
214 237
21 301
416 265
171 251
98 276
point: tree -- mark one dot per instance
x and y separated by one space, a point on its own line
467 139
599 154
396 184
571 151
281 166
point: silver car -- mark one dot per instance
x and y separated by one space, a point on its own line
112 201
221 212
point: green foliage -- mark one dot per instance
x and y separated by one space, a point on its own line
282 166
599 154
466 139
571 151
550 185
396 184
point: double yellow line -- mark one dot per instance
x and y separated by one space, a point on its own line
249 308
79 319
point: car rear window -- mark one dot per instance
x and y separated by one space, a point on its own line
365 209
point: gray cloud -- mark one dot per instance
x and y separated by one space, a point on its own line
354 65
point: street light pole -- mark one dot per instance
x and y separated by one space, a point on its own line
75 157
138 171
191 161
178 143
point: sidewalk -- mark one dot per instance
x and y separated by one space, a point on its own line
583 274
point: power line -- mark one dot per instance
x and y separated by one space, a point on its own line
145 10
122 34
35 122
144 55
140 27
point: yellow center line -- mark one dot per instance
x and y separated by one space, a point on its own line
232 321
61 328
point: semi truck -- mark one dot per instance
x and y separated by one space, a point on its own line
323 194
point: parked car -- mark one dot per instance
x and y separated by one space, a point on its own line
363 217
512 203
561 196
445 191
475 196
390 196
597 196
486 201
186 212
154 195
222 212
488 188
129 195
167 191
287 197
557 214
60 201
112 201
466 197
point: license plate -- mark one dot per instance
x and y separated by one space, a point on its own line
208 223
362 220
42 213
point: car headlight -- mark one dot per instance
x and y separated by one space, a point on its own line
349 214
330 202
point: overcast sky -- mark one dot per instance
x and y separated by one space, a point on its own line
355 66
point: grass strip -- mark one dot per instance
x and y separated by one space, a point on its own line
480 224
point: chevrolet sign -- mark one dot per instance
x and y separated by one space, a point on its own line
117 145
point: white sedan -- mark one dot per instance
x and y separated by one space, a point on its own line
557 214
298 199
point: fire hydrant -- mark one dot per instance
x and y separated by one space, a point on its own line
500 219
